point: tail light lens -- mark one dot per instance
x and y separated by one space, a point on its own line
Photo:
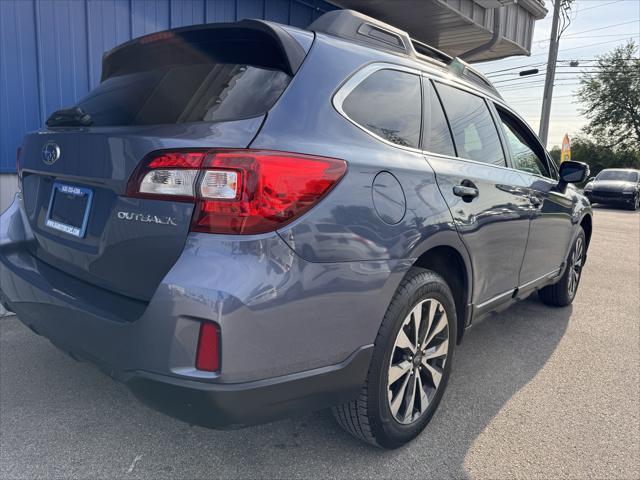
208 353
238 191
169 182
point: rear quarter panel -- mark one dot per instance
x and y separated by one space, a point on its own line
345 226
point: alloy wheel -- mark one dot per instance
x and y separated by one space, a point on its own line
417 361
577 259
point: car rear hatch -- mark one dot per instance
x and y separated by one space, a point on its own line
198 87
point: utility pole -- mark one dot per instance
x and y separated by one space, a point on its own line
551 74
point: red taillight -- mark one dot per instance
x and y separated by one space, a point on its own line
156 37
239 191
177 160
208 354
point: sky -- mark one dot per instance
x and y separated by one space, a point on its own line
597 27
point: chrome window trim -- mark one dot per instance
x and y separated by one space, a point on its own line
468 160
360 75
505 154
531 132
455 81
548 179
355 80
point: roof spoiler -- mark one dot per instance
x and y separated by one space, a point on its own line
360 28
283 49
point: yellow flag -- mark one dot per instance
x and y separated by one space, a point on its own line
565 154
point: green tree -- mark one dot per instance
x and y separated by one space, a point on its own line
599 156
612 98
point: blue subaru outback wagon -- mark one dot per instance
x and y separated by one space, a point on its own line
248 220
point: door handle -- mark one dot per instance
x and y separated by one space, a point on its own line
467 191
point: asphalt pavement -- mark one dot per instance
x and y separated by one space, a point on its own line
536 392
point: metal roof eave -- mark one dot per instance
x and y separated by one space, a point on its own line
456 27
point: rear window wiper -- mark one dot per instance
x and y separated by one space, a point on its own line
69 117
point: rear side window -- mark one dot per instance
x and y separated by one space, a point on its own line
474 131
388 103
185 93
436 136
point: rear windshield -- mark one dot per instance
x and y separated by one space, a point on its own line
619 175
208 92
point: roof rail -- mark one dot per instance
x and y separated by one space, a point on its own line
360 28
463 69
355 26
432 52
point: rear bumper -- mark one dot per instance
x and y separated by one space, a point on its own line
234 405
294 335
242 404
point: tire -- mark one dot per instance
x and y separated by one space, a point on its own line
635 205
564 291
390 422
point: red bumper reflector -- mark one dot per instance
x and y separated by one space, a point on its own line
208 354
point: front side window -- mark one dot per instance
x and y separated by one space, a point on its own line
526 154
388 103
474 131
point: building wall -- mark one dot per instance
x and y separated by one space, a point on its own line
8 189
51 50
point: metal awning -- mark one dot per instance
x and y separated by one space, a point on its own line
459 27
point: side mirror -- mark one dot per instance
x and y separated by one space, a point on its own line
572 172
591 179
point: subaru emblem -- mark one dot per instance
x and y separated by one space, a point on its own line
50 153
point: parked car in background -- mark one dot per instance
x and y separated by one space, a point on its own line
243 221
615 186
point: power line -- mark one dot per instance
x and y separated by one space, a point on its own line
560 103
590 45
520 67
605 27
594 60
602 70
516 79
515 68
576 74
533 65
538 98
516 83
565 98
506 74
539 83
580 10
573 37
580 47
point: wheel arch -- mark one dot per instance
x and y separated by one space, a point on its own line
587 225
454 267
